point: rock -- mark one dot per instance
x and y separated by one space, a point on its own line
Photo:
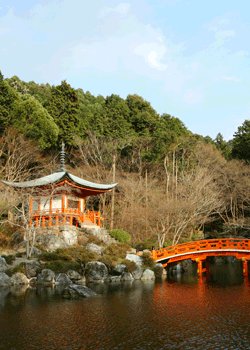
81 281
4 280
146 251
36 252
62 278
158 270
69 234
19 279
115 279
137 273
3 264
148 275
186 264
32 280
30 268
46 277
135 258
118 269
95 248
74 291
96 271
73 275
126 276
51 243
172 270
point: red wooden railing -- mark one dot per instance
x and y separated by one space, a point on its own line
192 248
65 216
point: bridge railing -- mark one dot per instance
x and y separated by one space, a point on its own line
206 245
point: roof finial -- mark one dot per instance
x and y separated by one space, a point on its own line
62 158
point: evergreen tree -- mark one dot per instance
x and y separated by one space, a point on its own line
116 124
33 120
63 105
241 142
7 98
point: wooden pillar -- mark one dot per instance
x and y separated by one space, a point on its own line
50 205
43 221
57 221
50 221
245 267
71 220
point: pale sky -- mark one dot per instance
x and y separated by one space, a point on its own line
190 59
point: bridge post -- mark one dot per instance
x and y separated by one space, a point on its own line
199 266
245 267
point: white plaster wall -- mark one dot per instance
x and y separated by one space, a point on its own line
56 204
44 203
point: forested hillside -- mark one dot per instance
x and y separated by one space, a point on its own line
173 184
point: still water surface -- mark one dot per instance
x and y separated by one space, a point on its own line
176 314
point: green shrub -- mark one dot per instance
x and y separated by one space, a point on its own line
59 266
121 236
57 255
130 265
146 244
95 240
117 250
147 260
9 259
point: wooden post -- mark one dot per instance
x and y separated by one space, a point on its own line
245 267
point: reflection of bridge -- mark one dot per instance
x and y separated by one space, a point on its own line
198 251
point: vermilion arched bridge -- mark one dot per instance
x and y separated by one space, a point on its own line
199 250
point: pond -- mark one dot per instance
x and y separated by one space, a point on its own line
178 313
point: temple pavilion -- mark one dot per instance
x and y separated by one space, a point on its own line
59 198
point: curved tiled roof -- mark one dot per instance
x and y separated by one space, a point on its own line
57 177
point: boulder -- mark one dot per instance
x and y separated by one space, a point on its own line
96 271
75 291
69 234
137 273
4 280
30 268
126 276
146 251
46 277
148 275
62 278
158 270
19 279
73 275
3 264
95 248
118 269
135 258
115 279
51 243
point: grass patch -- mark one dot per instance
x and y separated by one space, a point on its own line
130 265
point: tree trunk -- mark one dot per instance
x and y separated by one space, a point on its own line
113 196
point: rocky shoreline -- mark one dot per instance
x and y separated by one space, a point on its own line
75 284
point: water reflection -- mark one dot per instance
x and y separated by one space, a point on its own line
182 312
